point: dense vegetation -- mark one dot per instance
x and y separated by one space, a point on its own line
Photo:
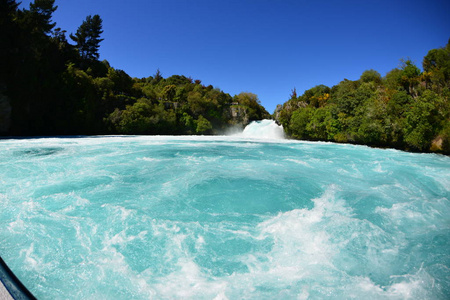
406 109
49 86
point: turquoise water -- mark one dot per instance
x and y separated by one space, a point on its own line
148 217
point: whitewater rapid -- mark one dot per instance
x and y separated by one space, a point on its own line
172 217
266 129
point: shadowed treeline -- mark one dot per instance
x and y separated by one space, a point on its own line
49 86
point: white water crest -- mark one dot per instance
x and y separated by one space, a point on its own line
265 129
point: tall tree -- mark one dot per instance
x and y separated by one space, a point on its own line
8 34
88 38
41 12
8 57
436 66
410 77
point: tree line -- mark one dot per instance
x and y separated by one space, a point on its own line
406 109
50 86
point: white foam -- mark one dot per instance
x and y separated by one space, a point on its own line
379 169
399 212
300 162
33 260
265 129
119 211
311 251
150 159
302 247
189 282
17 226
122 238
199 243
111 263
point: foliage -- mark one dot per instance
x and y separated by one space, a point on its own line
370 76
203 125
436 66
406 109
51 87
87 37
69 91
255 110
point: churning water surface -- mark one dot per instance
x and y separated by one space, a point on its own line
176 217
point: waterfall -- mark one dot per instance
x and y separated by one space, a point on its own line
266 129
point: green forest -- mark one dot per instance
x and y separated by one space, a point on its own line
53 83
406 109
50 86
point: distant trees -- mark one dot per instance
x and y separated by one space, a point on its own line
41 15
179 105
27 45
8 37
255 110
436 66
203 125
406 109
48 86
370 76
87 37
40 76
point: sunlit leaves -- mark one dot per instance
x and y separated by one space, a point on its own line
406 109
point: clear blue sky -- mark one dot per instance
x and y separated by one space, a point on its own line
261 46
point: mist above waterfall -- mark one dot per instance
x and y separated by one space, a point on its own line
266 129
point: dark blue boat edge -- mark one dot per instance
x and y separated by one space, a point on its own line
12 284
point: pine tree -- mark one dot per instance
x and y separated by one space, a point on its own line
88 38
41 12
